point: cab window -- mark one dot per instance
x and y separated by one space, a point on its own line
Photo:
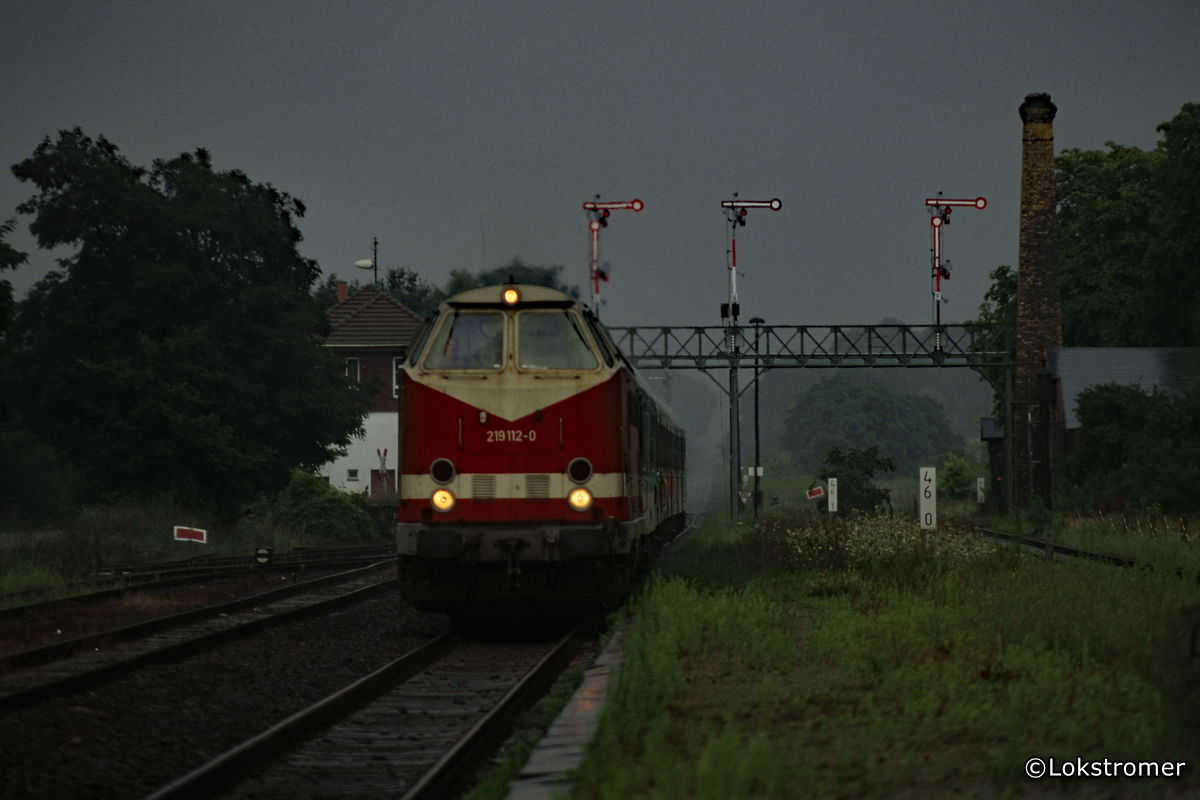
468 340
552 340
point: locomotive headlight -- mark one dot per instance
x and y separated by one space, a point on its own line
579 499
442 500
511 296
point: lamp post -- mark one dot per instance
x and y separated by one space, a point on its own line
756 322
372 263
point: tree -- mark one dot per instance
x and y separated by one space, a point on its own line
854 470
412 291
843 413
1137 449
179 351
518 271
1173 258
10 258
998 311
1107 205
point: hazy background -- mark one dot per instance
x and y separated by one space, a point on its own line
463 134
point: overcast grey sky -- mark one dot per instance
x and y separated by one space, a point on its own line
462 134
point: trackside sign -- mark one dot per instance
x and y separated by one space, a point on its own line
185 534
815 493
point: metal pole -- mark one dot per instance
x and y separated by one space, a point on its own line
735 441
757 460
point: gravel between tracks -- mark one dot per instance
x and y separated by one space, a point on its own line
124 739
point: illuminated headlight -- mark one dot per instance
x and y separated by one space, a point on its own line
442 500
511 296
580 499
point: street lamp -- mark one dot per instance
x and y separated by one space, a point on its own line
371 263
756 322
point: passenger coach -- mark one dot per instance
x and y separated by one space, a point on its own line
535 470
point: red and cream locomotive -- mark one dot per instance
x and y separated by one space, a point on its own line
535 470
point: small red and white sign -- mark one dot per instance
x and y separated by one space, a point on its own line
186 534
816 493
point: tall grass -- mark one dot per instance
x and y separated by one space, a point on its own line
866 658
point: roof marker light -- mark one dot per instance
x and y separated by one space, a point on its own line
511 296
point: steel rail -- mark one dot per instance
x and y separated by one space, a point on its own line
1051 550
87 677
490 731
227 767
44 653
190 575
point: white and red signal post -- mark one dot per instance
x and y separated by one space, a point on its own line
735 214
940 209
598 213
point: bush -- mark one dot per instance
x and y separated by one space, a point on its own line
316 510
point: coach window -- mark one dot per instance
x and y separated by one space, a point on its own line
553 340
468 340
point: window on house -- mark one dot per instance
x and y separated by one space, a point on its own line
397 363
351 474
352 370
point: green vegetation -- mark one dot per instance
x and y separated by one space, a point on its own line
907 428
177 354
1138 449
854 470
308 512
806 657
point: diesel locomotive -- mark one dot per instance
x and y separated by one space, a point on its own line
535 470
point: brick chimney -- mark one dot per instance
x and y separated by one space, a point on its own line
343 290
1039 303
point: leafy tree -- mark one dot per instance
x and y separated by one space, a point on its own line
956 477
998 311
324 294
179 351
413 291
1107 201
1137 449
311 507
10 258
854 470
1173 258
843 413
516 269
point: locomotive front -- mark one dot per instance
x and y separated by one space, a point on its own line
517 479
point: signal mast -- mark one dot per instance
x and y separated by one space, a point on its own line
939 210
597 214
735 215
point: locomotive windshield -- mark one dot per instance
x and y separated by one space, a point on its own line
468 340
552 340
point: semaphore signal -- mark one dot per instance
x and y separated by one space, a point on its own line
598 213
939 209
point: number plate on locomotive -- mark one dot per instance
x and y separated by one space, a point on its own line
512 435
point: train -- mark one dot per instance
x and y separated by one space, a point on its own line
536 472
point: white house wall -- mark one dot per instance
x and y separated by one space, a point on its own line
380 432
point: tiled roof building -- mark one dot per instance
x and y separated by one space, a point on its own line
372 333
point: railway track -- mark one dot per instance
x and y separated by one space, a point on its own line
1052 550
410 729
31 675
116 582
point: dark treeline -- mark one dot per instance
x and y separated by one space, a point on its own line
177 352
